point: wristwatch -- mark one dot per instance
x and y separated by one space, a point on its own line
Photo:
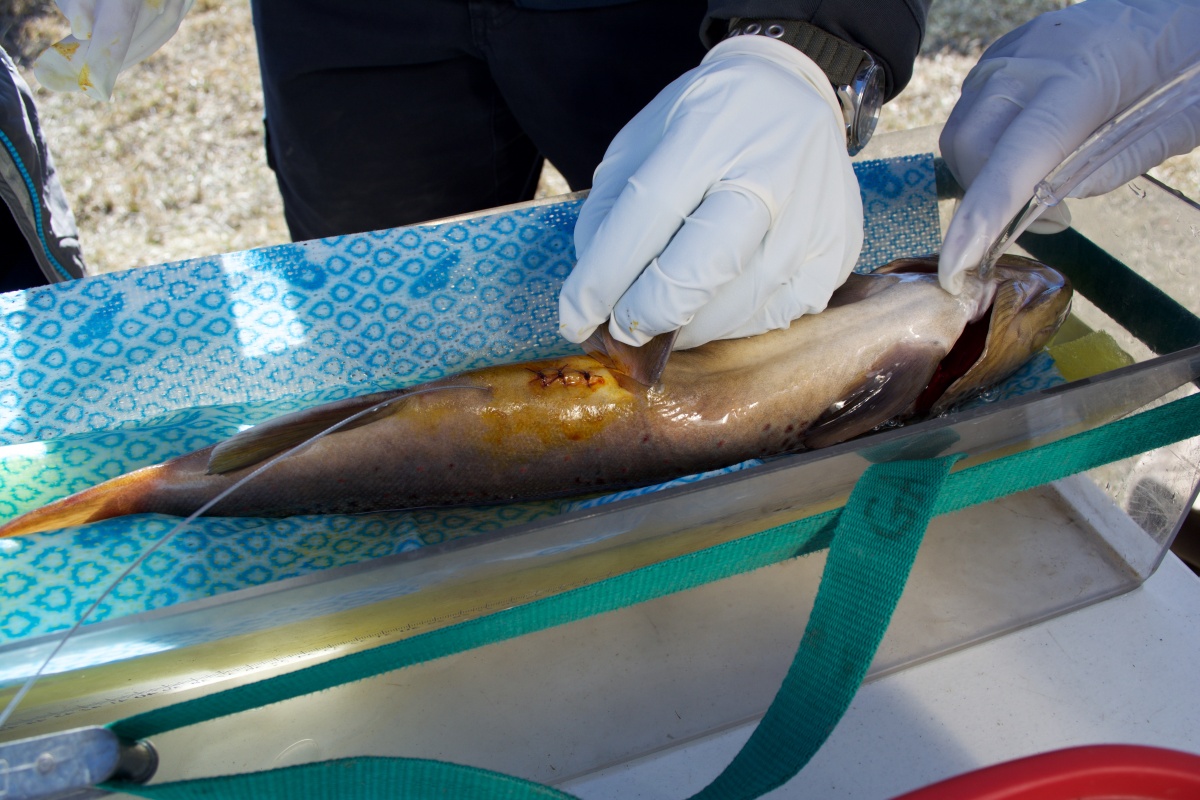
857 78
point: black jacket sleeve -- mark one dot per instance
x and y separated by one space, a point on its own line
30 189
890 29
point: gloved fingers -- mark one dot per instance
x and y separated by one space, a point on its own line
628 150
809 251
971 233
747 105
648 211
656 171
57 68
610 180
712 248
1179 134
613 261
80 15
154 27
979 119
1056 121
111 36
684 199
1065 73
595 208
789 277
72 65
106 38
775 305
112 28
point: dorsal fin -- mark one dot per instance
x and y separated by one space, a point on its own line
266 439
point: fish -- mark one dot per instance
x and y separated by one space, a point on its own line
891 345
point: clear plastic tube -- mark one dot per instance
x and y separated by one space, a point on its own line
1110 139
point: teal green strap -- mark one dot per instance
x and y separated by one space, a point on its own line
364 778
869 560
1124 438
655 580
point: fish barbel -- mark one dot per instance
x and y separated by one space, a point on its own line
890 344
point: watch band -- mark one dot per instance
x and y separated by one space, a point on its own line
837 58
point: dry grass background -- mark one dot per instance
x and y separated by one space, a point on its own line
174 167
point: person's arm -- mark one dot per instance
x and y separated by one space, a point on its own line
728 207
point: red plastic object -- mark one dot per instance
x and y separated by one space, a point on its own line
1096 772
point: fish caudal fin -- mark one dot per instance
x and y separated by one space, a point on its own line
114 498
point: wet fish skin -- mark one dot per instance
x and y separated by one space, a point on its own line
573 425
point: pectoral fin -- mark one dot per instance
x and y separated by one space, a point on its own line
887 390
272 437
644 364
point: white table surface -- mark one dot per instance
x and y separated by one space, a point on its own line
1121 671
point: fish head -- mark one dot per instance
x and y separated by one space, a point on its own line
1028 302
984 334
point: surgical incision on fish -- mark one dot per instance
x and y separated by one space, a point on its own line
890 345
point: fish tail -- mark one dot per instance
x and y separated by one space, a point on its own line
126 494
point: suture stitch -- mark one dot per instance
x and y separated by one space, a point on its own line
565 376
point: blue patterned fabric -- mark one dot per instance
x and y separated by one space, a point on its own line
100 376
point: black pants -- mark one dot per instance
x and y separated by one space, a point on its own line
18 267
389 113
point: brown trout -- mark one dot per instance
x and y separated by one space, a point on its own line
890 345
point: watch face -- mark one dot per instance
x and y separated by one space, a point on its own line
869 88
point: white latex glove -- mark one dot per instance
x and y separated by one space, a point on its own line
107 36
727 206
1040 91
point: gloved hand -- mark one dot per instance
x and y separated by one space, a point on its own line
727 206
107 37
1040 91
